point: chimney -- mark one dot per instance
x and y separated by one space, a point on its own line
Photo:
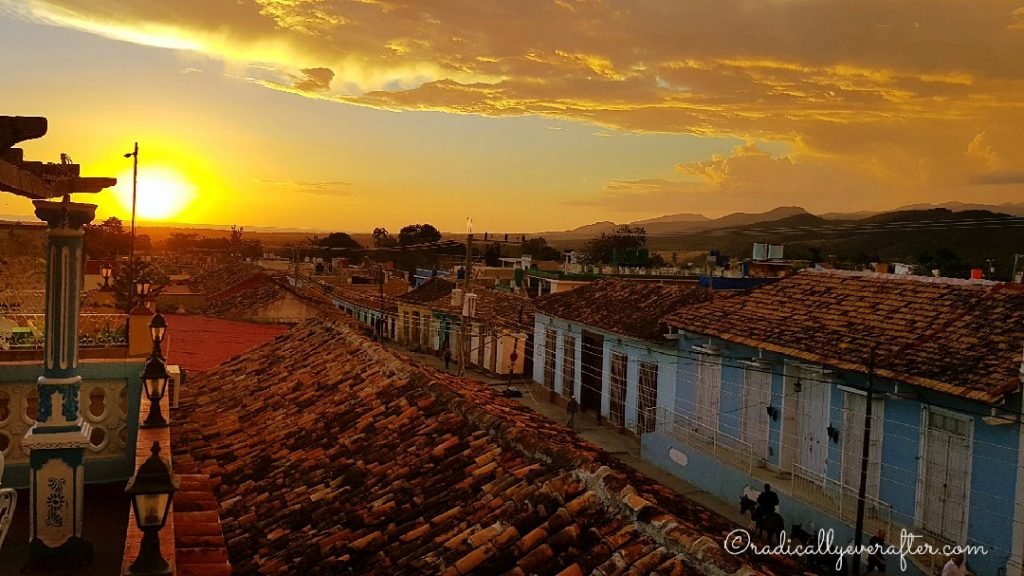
457 298
469 306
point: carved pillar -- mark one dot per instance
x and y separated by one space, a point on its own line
57 440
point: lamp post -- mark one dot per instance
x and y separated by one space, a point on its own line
134 155
154 381
157 330
142 287
151 489
105 272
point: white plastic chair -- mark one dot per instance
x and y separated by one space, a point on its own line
8 502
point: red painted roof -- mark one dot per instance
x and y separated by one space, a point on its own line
198 343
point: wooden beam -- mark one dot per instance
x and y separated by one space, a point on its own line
14 129
23 182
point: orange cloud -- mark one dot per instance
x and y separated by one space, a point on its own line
867 90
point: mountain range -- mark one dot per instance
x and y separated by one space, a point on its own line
689 223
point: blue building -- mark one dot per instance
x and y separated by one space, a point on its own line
774 386
604 343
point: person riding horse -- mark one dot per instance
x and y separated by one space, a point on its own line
766 504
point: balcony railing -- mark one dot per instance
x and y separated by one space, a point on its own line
26 331
816 490
721 447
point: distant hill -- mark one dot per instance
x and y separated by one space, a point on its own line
1013 209
673 218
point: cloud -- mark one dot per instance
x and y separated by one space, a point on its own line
1000 178
191 70
645 195
314 80
870 88
335 188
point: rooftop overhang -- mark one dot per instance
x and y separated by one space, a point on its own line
38 180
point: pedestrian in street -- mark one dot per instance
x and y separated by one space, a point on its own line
571 408
447 357
876 558
955 567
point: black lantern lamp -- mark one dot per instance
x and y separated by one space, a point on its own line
833 433
773 412
157 330
142 287
151 489
154 382
106 271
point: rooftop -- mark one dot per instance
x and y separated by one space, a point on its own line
955 336
367 464
632 308
198 343
430 291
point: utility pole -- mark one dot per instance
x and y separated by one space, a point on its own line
134 154
467 284
865 453
1013 277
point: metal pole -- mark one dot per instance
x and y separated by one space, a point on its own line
864 457
131 255
380 320
467 283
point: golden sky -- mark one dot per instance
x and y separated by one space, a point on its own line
349 114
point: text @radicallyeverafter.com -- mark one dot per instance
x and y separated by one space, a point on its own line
739 541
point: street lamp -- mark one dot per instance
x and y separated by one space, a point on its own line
154 381
157 329
134 155
142 287
151 489
105 272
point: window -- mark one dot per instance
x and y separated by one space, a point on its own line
709 393
549 359
647 398
617 407
568 364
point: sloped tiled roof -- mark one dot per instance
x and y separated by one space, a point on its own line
954 336
493 306
240 300
629 307
368 295
331 455
429 291
198 343
223 277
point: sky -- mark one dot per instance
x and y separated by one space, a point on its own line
524 115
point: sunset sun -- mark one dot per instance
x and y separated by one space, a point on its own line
163 193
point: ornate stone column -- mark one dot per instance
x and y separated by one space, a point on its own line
59 436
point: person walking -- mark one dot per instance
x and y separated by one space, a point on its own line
447 357
876 556
571 408
955 567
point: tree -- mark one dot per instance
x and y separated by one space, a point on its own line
242 248
601 250
382 238
338 240
540 250
107 239
123 288
418 234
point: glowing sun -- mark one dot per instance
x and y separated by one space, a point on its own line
162 193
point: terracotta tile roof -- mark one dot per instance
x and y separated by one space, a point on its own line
954 336
239 301
223 277
199 547
429 291
493 306
368 295
198 343
331 455
629 307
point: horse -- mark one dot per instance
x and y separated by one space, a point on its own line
822 563
770 525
